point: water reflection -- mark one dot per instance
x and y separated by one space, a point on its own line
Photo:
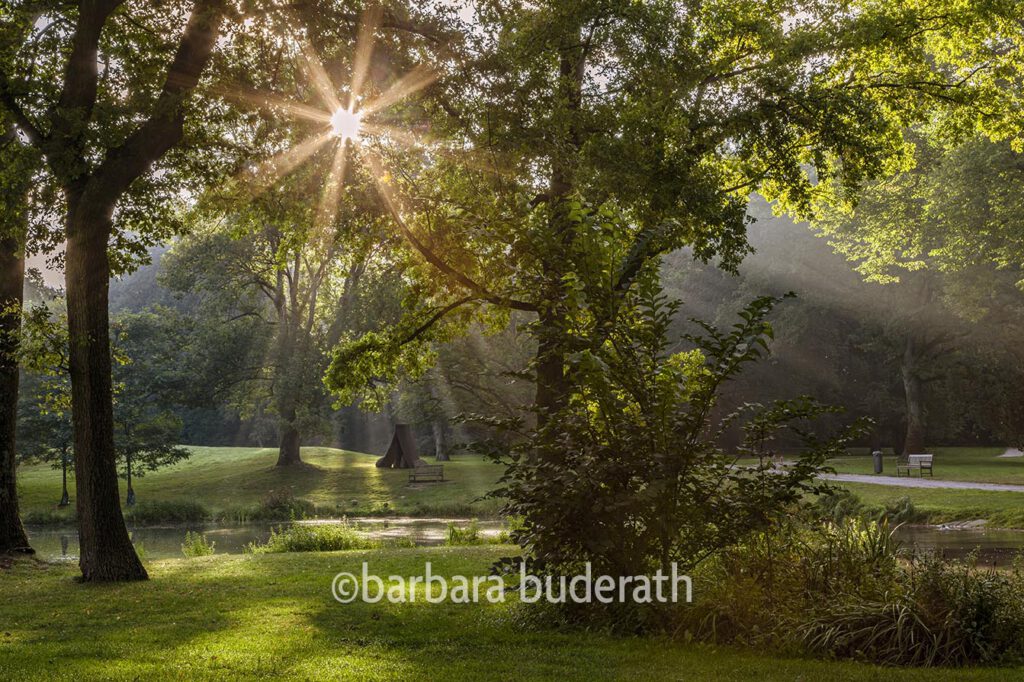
995 547
61 544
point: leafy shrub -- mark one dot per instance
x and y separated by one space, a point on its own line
176 511
196 545
281 504
838 504
854 553
468 535
630 475
320 537
889 632
900 510
759 590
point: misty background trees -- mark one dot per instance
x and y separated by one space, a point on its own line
842 339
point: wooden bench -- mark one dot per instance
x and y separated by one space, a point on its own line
431 472
920 462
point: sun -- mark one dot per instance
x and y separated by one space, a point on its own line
347 124
337 124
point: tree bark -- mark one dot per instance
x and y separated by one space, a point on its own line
440 448
552 389
105 548
289 453
289 386
12 283
106 552
913 388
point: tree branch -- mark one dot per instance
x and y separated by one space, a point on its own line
438 262
165 127
71 113
434 319
21 119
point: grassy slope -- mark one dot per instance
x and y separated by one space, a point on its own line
1002 509
339 481
272 615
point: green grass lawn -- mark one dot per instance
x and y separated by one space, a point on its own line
982 465
233 617
941 505
337 481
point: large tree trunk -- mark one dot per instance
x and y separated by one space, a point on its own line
289 386
291 440
551 390
105 548
913 390
12 283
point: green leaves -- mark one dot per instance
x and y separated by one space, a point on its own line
632 473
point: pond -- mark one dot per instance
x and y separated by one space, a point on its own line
56 544
164 542
996 547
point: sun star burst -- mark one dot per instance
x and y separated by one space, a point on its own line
347 124
343 124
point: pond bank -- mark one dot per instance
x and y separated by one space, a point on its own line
995 546
164 542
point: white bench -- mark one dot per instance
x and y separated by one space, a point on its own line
921 463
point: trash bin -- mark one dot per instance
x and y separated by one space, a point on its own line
877 457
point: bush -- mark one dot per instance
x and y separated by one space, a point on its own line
900 510
469 535
196 545
630 474
846 590
321 537
278 505
839 504
151 513
946 614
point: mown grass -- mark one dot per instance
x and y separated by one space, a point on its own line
231 483
248 616
980 465
942 505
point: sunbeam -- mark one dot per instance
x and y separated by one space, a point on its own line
265 100
318 76
269 171
328 207
414 81
364 51
343 122
347 125
411 140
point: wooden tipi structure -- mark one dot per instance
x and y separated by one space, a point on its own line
401 453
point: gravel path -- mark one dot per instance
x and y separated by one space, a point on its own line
907 482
